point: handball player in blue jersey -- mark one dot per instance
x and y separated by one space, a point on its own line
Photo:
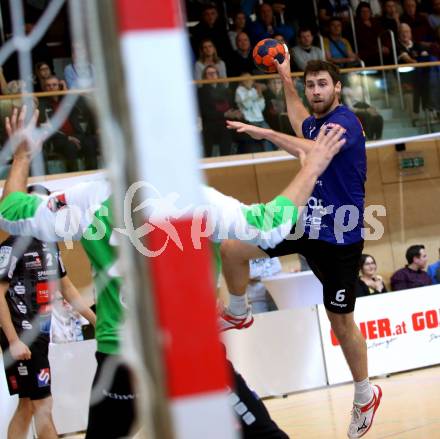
329 234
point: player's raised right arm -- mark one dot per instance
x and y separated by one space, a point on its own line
296 110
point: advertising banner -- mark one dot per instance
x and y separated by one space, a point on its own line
402 331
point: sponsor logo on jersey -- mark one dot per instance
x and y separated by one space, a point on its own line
13 382
26 325
22 308
57 202
22 370
43 377
44 274
19 289
35 263
12 266
5 255
43 292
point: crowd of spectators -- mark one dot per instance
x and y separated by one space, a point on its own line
223 34
413 275
268 19
224 37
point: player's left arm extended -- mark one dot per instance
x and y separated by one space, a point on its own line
72 295
268 224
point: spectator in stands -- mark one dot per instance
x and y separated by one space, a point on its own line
419 81
390 19
216 105
266 27
211 28
434 17
280 39
80 73
419 24
434 271
305 51
42 72
369 282
368 30
208 56
375 5
242 59
328 9
412 275
71 140
409 51
238 26
338 49
275 112
250 100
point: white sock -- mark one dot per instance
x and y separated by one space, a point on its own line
363 392
237 304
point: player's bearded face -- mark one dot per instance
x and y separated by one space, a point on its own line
321 93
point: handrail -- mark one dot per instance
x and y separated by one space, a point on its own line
321 43
384 76
44 94
315 7
298 74
230 79
365 89
396 62
353 29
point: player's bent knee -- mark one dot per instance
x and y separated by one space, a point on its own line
25 406
342 324
42 406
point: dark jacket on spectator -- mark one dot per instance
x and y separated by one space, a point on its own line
258 31
367 41
362 289
240 64
420 27
217 34
406 278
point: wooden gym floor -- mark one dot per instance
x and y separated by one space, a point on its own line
410 409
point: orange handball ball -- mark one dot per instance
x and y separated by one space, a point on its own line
266 51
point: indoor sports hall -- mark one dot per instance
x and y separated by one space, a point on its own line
219 219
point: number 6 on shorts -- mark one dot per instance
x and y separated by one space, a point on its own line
340 295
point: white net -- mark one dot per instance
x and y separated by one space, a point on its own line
72 365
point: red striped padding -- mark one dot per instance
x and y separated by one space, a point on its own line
148 15
183 283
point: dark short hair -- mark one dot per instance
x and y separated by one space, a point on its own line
363 259
317 65
334 19
209 66
413 252
40 64
209 6
360 6
37 189
302 30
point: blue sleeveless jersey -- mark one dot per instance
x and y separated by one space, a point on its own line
336 207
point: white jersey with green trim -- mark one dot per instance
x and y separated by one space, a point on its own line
88 207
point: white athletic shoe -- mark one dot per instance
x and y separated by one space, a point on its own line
362 416
228 321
